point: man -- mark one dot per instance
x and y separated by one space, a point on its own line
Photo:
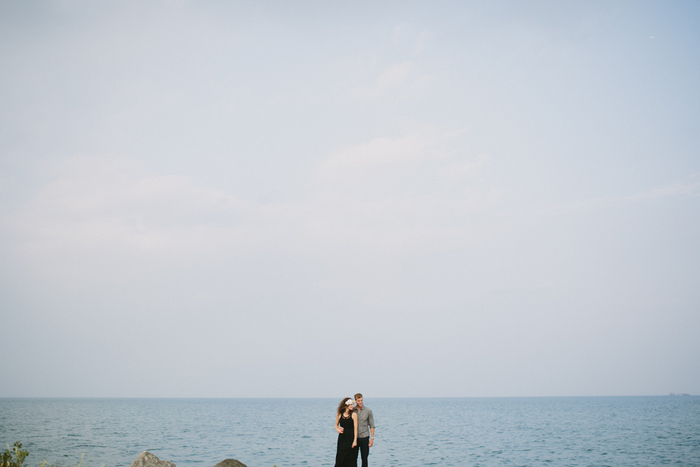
365 428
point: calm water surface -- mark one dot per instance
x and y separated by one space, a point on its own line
588 431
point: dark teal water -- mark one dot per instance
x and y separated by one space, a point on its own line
587 431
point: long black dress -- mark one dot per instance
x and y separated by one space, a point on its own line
346 456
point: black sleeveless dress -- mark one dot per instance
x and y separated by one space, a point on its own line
346 456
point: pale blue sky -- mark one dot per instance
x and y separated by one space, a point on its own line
309 199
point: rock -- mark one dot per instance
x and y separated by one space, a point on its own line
230 463
146 459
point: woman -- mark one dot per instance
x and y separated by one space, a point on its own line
346 426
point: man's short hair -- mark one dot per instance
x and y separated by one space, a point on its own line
358 396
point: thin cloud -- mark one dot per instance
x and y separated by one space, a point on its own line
388 196
668 191
395 81
421 43
674 190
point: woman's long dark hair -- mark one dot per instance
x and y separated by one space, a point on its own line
343 404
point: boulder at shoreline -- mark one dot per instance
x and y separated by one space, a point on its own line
230 463
146 459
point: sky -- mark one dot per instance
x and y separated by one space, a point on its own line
313 199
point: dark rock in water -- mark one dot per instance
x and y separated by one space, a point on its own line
146 459
230 463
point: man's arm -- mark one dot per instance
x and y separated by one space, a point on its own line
371 440
354 419
370 421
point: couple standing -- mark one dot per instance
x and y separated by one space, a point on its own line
355 427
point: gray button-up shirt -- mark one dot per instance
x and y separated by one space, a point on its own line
365 421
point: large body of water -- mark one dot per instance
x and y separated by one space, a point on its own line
586 431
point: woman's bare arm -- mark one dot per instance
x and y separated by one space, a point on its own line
338 428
